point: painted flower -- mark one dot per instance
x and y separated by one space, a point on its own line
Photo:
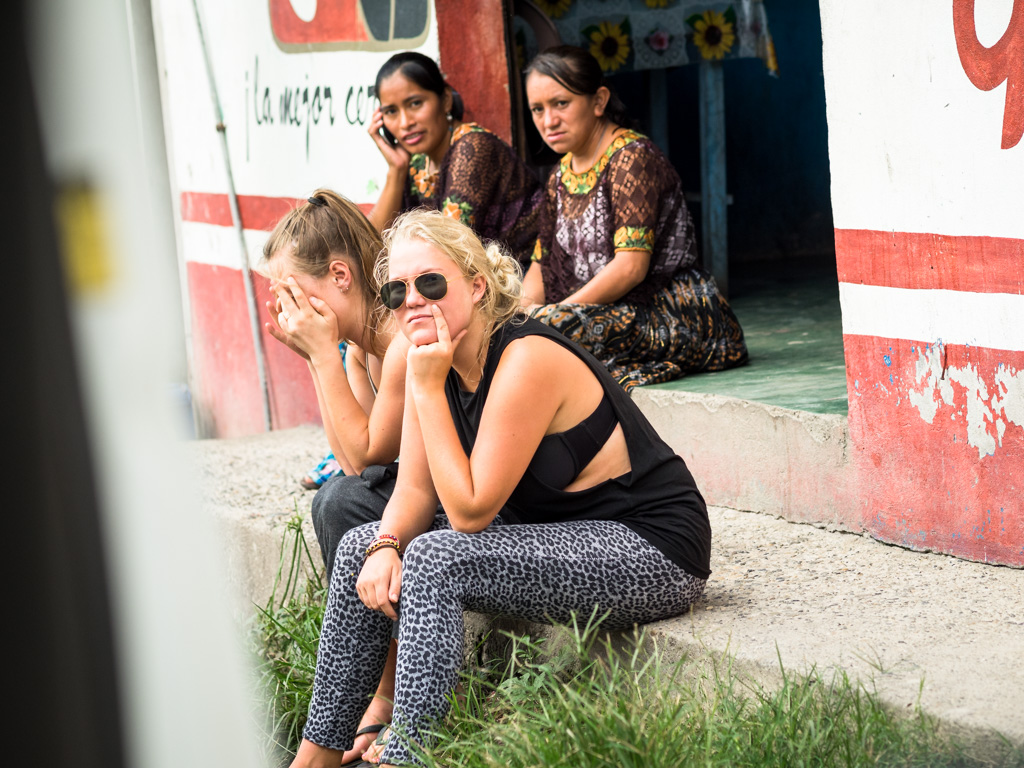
657 3
554 8
658 41
713 33
609 44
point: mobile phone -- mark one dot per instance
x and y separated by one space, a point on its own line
388 136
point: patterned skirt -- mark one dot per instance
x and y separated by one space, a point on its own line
688 327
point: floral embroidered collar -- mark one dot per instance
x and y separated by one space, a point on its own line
424 183
581 183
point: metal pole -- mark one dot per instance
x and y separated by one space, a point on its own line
714 200
250 293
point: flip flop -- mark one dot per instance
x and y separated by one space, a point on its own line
382 737
359 762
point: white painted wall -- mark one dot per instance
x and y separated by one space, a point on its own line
913 145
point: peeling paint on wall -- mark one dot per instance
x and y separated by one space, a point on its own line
966 391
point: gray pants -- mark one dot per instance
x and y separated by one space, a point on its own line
533 572
347 501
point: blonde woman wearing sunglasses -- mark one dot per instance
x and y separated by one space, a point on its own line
503 414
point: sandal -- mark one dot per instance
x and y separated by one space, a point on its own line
381 740
375 728
320 474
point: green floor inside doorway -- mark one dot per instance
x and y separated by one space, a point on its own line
791 320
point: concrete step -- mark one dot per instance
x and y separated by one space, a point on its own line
812 597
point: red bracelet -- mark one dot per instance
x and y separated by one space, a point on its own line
382 541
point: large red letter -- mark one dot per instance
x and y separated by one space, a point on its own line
988 67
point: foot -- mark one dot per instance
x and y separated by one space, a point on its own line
363 741
321 473
372 754
312 755
376 718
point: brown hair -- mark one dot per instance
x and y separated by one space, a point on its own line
325 228
577 70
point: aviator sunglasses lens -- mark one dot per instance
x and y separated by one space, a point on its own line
432 286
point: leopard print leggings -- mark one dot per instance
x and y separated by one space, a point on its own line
533 572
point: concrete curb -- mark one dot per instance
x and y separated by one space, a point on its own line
814 598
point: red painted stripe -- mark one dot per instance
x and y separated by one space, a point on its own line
206 208
938 445
913 260
226 392
258 212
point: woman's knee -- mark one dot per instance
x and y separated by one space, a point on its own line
433 552
352 546
343 503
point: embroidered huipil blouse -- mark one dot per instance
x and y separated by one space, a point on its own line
631 199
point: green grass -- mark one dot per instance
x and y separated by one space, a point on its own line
588 705
576 699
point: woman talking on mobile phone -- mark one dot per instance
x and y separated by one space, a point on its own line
437 161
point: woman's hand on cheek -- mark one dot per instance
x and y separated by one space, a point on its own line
312 325
277 330
429 363
395 155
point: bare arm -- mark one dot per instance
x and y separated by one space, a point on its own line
533 285
366 432
332 438
618 277
366 428
409 512
524 402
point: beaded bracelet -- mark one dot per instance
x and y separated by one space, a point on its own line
382 541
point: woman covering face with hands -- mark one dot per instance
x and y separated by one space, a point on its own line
320 260
503 414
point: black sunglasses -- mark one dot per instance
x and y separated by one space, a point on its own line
432 286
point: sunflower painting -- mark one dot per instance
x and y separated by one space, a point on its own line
554 9
713 32
610 43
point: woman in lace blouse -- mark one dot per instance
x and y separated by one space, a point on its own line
615 265
437 161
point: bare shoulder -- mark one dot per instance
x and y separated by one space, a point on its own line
540 359
355 354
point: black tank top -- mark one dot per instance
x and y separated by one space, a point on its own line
658 498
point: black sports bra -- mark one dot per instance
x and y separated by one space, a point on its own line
561 457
